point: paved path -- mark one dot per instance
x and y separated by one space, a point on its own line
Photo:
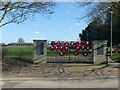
83 82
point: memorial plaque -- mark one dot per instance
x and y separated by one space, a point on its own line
100 49
40 48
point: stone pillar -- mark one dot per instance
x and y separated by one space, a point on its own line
40 51
99 51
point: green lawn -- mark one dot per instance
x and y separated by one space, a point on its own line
19 52
116 57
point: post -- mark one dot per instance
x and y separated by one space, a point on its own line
106 56
69 55
111 35
99 51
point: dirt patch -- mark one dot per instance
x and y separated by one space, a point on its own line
19 69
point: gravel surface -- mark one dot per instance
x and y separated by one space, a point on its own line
58 71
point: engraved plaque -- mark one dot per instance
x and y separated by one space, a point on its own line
100 49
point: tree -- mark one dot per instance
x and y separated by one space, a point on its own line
94 31
99 14
17 12
21 40
99 9
81 36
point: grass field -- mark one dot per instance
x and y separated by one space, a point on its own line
116 57
19 53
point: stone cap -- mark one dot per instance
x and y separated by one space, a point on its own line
99 41
39 40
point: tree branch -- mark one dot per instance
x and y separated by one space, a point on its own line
13 12
11 20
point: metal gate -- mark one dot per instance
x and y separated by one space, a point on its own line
69 52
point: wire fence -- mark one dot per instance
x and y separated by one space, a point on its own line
17 52
69 52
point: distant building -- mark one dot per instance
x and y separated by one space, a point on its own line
20 44
21 40
3 44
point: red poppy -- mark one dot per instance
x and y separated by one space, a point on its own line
71 43
82 43
66 44
52 48
62 48
76 43
56 48
61 53
53 43
66 48
87 43
58 43
76 53
77 47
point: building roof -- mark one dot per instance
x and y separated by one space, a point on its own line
20 44
39 40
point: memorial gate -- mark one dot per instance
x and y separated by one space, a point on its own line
70 51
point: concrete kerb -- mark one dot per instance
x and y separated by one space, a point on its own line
67 65
55 79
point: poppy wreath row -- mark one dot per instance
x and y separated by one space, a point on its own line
62 53
64 47
72 43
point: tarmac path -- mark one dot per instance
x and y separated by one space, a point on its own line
83 82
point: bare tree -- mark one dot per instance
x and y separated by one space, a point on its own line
99 9
17 12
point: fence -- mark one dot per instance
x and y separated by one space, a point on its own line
69 52
16 52
59 52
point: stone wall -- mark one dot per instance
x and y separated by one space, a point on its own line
40 51
99 51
